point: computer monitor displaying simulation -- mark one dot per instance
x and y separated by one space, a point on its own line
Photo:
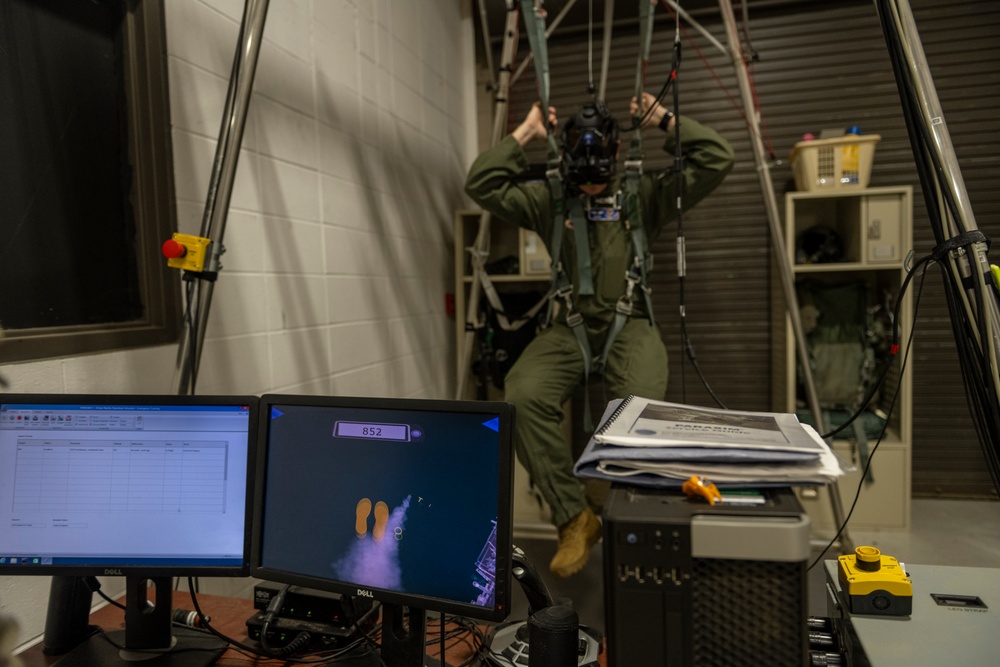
149 487
402 500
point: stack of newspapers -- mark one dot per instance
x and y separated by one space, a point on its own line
659 444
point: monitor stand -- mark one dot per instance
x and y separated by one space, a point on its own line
149 638
401 646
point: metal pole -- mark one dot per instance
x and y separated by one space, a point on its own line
487 47
220 187
694 24
778 244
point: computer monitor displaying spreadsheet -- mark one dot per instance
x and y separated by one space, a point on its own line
148 487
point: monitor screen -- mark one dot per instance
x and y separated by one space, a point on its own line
405 501
150 487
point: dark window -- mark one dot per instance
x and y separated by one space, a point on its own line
85 178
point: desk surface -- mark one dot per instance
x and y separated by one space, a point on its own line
933 634
229 616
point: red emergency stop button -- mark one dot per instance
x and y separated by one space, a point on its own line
172 249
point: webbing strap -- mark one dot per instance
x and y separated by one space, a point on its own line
643 262
584 273
634 277
534 21
563 289
490 291
645 42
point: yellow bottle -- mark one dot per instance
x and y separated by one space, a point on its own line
850 167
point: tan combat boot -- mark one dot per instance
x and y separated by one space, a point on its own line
576 537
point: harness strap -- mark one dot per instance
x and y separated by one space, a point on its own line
642 265
534 21
645 41
635 277
563 289
642 261
490 290
584 273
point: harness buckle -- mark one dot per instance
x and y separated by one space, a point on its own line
631 280
634 165
574 319
624 306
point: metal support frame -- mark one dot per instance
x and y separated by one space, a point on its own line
482 242
220 190
976 314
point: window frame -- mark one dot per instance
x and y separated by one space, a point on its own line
142 34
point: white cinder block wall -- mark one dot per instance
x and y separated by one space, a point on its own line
360 130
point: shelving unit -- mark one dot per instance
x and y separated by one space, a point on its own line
874 228
527 256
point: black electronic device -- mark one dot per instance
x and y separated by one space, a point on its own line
875 583
510 644
146 487
323 636
590 140
403 501
311 605
687 583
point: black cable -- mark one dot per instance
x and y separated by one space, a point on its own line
875 386
978 389
94 584
974 359
300 641
190 320
687 345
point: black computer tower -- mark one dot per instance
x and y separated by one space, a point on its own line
687 584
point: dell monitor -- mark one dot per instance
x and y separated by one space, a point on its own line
405 501
148 487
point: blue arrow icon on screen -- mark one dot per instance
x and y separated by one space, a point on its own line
493 424
275 412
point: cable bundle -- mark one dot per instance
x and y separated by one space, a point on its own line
961 252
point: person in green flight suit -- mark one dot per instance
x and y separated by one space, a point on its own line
553 364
